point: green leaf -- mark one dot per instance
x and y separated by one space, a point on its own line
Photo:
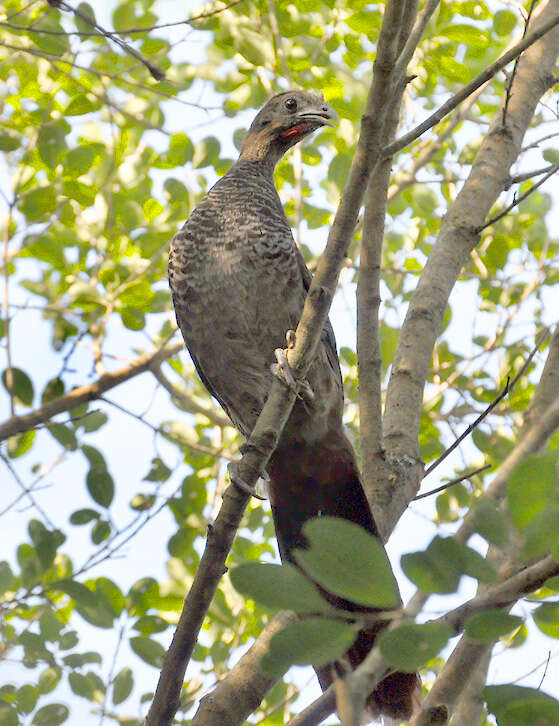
64 435
504 22
542 533
408 647
82 104
551 156
52 144
8 715
438 569
519 706
94 456
122 685
546 618
100 531
49 679
19 444
81 685
93 421
205 152
6 577
54 389
489 522
132 319
26 699
50 43
84 194
92 606
180 150
365 21
142 502
38 203
477 566
280 587
101 486
150 651
137 295
46 541
312 640
79 160
19 385
491 625
531 488
51 715
159 471
348 561
9 141
50 625
470 35
152 209
84 9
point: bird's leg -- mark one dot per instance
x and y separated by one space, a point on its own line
283 371
256 491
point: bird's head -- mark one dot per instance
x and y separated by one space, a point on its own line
285 120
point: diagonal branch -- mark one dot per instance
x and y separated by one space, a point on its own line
90 392
486 75
156 72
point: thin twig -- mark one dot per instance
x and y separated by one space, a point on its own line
518 178
485 76
470 428
510 384
156 72
554 168
125 31
449 484
90 392
26 491
545 669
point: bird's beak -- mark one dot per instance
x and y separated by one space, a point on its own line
322 115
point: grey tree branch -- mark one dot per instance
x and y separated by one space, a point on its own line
548 387
90 392
368 286
480 80
451 251
238 694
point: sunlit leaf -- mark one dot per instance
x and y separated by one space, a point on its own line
408 647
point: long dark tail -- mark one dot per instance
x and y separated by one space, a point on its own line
323 479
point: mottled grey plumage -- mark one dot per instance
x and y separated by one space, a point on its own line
239 283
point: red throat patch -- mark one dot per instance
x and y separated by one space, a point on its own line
295 131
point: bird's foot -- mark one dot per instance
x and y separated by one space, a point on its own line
283 371
260 488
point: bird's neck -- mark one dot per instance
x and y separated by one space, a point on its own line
264 166
263 151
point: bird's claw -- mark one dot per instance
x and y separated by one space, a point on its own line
283 371
233 469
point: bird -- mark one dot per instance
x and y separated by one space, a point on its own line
238 283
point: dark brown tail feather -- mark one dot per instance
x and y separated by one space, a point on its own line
323 479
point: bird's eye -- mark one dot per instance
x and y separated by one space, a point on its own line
291 104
